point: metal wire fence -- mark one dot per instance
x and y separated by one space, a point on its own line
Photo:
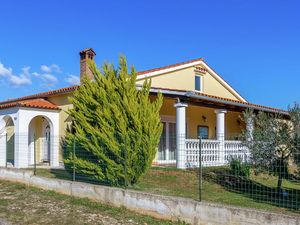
220 170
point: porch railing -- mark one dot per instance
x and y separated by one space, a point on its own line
235 149
214 152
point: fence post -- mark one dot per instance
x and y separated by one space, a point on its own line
125 166
200 170
6 150
34 156
74 147
222 153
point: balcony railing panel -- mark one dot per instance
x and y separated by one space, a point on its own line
212 152
235 150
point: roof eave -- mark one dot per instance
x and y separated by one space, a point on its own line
191 95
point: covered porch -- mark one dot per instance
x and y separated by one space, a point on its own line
219 122
184 124
29 135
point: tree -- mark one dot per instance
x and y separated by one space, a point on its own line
273 142
116 126
294 112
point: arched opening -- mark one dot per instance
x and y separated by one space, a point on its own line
8 134
39 140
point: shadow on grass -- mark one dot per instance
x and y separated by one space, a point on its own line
65 175
170 181
287 198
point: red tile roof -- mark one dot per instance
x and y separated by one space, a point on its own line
38 97
245 103
225 99
200 69
41 103
31 103
44 94
75 87
169 66
37 101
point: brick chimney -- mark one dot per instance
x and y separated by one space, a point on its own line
86 55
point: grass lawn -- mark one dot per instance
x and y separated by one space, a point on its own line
26 205
218 186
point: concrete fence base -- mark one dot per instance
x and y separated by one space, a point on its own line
164 207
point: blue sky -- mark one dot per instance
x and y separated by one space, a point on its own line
254 45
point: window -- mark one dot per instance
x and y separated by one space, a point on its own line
167 144
198 83
203 132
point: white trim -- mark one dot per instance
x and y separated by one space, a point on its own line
201 82
222 81
164 162
167 70
168 119
200 62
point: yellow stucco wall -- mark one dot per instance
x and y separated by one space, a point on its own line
35 127
196 115
234 125
64 119
64 104
203 116
38 138
181 79
184 79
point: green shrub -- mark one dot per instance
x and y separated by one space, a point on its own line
116 127
238 168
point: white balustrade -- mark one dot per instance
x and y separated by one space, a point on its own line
211 152
236 150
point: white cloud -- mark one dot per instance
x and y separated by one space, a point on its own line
56 68
47 75
49 79
5 71
51 68
45 69
35 74
20 80
72 79
25 70
16 80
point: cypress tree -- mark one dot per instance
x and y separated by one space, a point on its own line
116 126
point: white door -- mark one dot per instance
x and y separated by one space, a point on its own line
167 144
46 144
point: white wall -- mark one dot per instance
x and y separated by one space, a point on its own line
21 118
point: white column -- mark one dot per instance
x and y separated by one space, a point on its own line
2 142
220 133
220 126
3 154
54 141
21 141
31 148
180 134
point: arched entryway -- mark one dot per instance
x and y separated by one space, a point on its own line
8 140
40 140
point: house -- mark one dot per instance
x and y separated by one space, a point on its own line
197 102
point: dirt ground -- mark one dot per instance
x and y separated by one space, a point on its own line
23 205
